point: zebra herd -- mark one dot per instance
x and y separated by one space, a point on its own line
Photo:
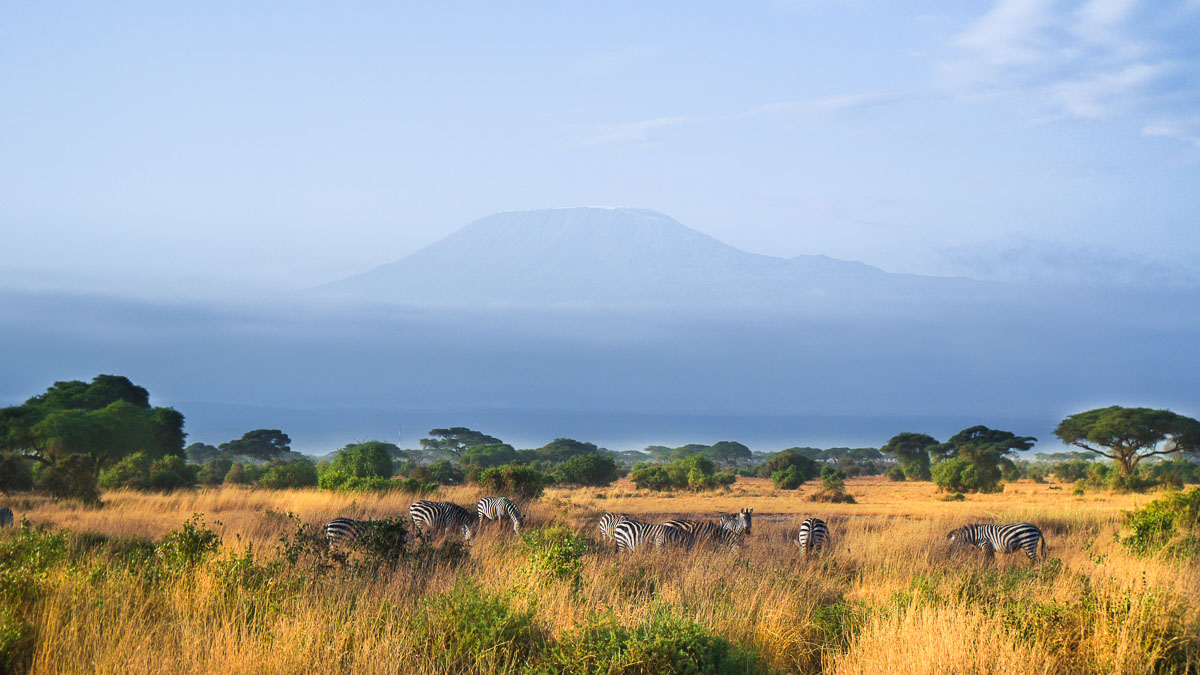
429 517
727 533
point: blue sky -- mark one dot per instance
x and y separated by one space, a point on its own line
205 148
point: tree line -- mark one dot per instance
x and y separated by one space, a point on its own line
79 437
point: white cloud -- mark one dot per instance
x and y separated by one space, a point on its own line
1079 60
1187 131
630 136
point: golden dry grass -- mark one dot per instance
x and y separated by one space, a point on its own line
888 597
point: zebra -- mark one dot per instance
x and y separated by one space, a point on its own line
497 508
441 516
633 534
6 516
345 530
813 536
608 522
1004 538
738 522
708 532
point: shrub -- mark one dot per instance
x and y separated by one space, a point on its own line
651 476
895 473
589 470
956 497
805 468
961 474
298 474
370 460
515 480
832 496
139 472
441 472
213 471
1173 519
385 543
555 552
833 478
15 474
660 644
695 472
189 545
243 474
468 630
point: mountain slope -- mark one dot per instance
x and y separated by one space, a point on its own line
613 257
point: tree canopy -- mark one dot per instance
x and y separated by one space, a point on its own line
911 450
1129 435
974 458
76 429
455 440
262 444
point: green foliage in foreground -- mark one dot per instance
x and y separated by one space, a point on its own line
555 552
1170 523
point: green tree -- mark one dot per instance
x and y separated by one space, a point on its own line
561 449
455 440
493 454
515 480
591 470
975 458
77 429
911 450
139 472
729 452
1129 435
201 452
356 461
804 468
213 471
261 444
295 474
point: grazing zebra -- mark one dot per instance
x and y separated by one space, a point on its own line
441 516
345 530
633 534
497 508
738 522
608 522
6 517
707 532
813 536
1003 538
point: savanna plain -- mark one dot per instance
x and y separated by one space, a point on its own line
145 585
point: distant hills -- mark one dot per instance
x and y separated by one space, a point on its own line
592 257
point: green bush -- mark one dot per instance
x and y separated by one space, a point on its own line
466 630
695 472
805 468
515 480
139 472
555 552
243 474
441 472
385 543
371 460
297 474
961 474
15 474
189 545
213 471
895 473
662 644
589 470
788 479
833 478
1170 522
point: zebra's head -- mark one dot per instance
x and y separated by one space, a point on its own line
957 537
745 516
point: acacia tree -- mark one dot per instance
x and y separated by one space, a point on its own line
1129 435
263 444
76 429
455 440
911 450
973 459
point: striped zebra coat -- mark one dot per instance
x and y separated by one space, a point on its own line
1003 538
439 516
738 522
345 531
813 536
498 508
708 533
6 517
608 522
634 534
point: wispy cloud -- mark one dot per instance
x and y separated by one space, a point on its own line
652 133
1079 60
639 135
1186 130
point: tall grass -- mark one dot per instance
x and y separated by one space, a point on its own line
887 597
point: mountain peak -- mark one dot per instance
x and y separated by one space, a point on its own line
594 256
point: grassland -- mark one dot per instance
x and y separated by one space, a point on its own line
889 596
